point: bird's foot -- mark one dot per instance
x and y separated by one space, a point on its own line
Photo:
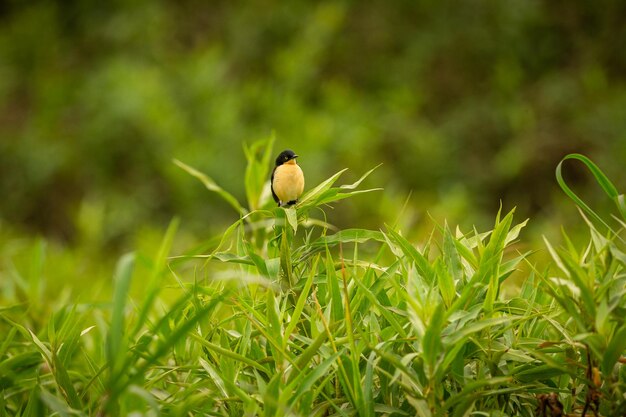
287 203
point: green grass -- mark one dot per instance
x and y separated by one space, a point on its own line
282 315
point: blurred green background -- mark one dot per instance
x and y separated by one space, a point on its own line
466 104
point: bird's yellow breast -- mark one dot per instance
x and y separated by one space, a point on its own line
288 182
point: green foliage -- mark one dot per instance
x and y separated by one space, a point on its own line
284 315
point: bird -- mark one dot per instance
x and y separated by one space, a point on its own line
287 180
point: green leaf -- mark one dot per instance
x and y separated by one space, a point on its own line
257 171
420 406
489 269
165 345
47 355
34 406
285 258
445 283
212 186
272 318
359 181
336 302
369 387
614 350
3 404
309 353
460 334
431 344
154 284
292 218
229 257
229 353
311 195
56 405
258 260
349 236
422 264
472 389
384 310
451 255
297 312
214 375
334 195
606 185
116 348
8 339
584 283
65 384
305 381
535 372
514 232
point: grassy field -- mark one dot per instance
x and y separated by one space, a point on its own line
283 315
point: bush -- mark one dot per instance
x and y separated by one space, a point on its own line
284 315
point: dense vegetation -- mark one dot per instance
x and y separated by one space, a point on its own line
283 314
410 300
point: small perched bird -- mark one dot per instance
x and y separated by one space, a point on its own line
287 179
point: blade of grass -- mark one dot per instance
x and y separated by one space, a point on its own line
614 350
211 185
305 380
116 346
311 195
359 181
257 171
431 344
606 185
154 284
302 298
413 254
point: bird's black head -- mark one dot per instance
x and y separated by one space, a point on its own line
285 156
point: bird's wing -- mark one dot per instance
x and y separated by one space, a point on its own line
276 199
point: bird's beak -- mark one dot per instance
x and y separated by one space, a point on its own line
295 156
